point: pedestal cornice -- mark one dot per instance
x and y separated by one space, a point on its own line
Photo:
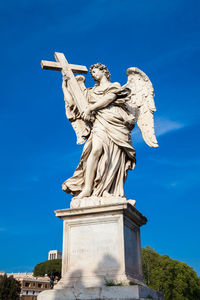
126 208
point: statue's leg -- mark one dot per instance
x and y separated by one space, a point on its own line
91 166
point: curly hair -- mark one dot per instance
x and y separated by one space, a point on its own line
102 68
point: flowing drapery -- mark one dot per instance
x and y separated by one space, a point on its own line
118 155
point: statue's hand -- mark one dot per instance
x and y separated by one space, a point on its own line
65 76
86 115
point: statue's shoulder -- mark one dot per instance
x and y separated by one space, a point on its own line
113 87
115 84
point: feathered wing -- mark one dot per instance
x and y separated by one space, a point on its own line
81 129
141 103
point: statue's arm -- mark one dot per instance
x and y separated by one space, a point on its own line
105 101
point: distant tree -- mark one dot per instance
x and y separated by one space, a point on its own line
9 288
175 279
51 268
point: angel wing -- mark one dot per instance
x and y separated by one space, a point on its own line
141 104
81 129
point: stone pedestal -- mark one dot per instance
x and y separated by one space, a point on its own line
102 293
101 247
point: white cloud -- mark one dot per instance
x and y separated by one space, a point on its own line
162 126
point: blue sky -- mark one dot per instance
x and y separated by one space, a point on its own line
38 146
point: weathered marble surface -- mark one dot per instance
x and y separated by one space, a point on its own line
101 230
105 293
111 112
98 201
103 117
101 243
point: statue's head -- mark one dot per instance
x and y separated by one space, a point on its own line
97 70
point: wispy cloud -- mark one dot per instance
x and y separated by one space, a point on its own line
162 126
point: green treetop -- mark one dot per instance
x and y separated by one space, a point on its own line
51 268
175 279
9 288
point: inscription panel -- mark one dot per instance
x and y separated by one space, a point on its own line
94 245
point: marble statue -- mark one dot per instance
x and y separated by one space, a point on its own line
101 229
103 117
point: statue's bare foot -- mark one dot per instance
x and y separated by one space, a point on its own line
86 192
106 194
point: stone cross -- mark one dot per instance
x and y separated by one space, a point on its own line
67 70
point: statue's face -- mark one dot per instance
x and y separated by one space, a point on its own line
97 74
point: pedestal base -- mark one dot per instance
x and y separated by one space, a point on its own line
101 247
105 293
101 243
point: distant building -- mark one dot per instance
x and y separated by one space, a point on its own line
2 273
31 286
54 254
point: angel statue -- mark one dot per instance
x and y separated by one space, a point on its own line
105 126
103 117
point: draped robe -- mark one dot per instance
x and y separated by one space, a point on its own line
118 155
